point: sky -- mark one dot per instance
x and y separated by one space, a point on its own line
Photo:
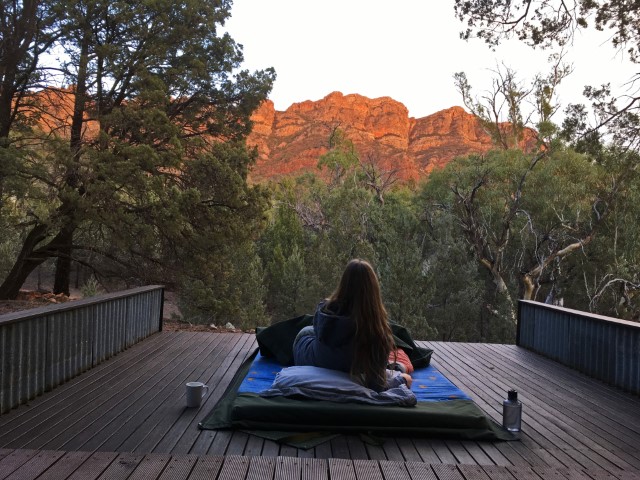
408 50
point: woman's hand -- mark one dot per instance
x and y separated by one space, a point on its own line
407 378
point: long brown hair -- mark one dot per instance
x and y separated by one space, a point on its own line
358 295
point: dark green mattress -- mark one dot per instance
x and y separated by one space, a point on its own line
280 418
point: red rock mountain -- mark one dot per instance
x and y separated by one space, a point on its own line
292 141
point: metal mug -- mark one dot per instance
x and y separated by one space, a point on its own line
195 392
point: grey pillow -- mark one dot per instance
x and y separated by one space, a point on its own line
323 384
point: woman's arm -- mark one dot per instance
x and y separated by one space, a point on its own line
395 379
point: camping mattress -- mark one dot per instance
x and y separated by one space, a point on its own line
442 410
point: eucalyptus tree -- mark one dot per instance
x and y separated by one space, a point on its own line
524 216
553 24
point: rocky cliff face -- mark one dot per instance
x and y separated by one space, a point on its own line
292 141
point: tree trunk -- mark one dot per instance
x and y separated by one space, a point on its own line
63 263
31 257
27 261
529 287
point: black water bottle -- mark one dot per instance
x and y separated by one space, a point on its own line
512 412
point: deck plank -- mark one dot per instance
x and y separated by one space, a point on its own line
477 453
341 469
14 460
129 426
392 450
420 471
93 466
571 410
323 450
524 473
261 468
357 448
447 472
574 427
495 472
122 467
376 452
234 468
270 449
179 467
340 447
288 468
36 465
473 472
367 470
151 466
206 468
487 388
425 450
184 433
393 470
95 378
408 450
60 424
58 465
314 469
462 455
254 446
65 467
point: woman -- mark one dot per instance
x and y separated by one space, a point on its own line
350 331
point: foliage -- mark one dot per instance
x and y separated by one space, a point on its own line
511 106
341 158
211 293
546 23
91 288
554 24
315 228
455 256
529 223
147 183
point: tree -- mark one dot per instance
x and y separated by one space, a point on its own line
28 28
380 180
546 23
341 158
458 307
523 215
155 145
399 242
513 113
553 24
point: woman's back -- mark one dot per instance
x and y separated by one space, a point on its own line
332 343
350 329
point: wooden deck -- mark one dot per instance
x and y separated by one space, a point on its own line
126 419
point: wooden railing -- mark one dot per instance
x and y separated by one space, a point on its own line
603 347
44 347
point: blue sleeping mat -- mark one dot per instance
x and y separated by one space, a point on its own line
429 385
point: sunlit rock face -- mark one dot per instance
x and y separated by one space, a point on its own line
292 141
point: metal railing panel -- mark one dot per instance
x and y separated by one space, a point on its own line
602 347
110 324
44 347
22 370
